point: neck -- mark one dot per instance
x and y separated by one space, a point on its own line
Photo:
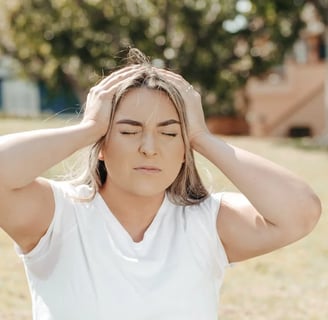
134 212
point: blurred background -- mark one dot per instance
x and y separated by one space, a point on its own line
260 65
262 70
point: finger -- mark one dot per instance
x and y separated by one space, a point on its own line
122 73
111 84
114 75
118 78
177 79
112 81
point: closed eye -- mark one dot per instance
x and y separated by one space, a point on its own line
129 132
169 134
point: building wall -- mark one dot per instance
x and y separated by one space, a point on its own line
311 115
293 100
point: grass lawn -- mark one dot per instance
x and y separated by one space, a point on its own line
288 284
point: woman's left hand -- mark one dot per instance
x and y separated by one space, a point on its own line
192 99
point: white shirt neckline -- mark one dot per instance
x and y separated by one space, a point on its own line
123 233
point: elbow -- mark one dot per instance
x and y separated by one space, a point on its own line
303 216
311 212
316 209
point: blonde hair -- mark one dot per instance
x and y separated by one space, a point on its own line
187 188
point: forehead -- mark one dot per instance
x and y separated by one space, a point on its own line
144 104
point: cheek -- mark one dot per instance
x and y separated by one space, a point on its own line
115 156
175 158
179 151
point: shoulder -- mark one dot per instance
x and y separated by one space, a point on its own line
66 190
204 213
233 202
235 212
211 202
66 199
226 211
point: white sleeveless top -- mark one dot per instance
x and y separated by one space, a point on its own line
87 267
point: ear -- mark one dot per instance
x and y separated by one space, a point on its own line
101 155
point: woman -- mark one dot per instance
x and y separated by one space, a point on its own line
138 236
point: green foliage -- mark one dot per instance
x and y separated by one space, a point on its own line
215 44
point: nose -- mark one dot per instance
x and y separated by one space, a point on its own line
148 145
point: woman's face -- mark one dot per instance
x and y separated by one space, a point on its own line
144 150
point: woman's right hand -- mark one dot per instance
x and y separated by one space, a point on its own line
99 100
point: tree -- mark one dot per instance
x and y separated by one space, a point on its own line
215 44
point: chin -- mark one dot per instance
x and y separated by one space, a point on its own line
147 191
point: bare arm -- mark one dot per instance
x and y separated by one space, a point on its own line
26 155
26 201
275 207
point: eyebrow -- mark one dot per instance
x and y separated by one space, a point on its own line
139 124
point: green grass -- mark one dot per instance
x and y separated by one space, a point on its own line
288 284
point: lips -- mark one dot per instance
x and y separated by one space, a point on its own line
147 169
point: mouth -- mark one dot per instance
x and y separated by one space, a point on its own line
147 169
